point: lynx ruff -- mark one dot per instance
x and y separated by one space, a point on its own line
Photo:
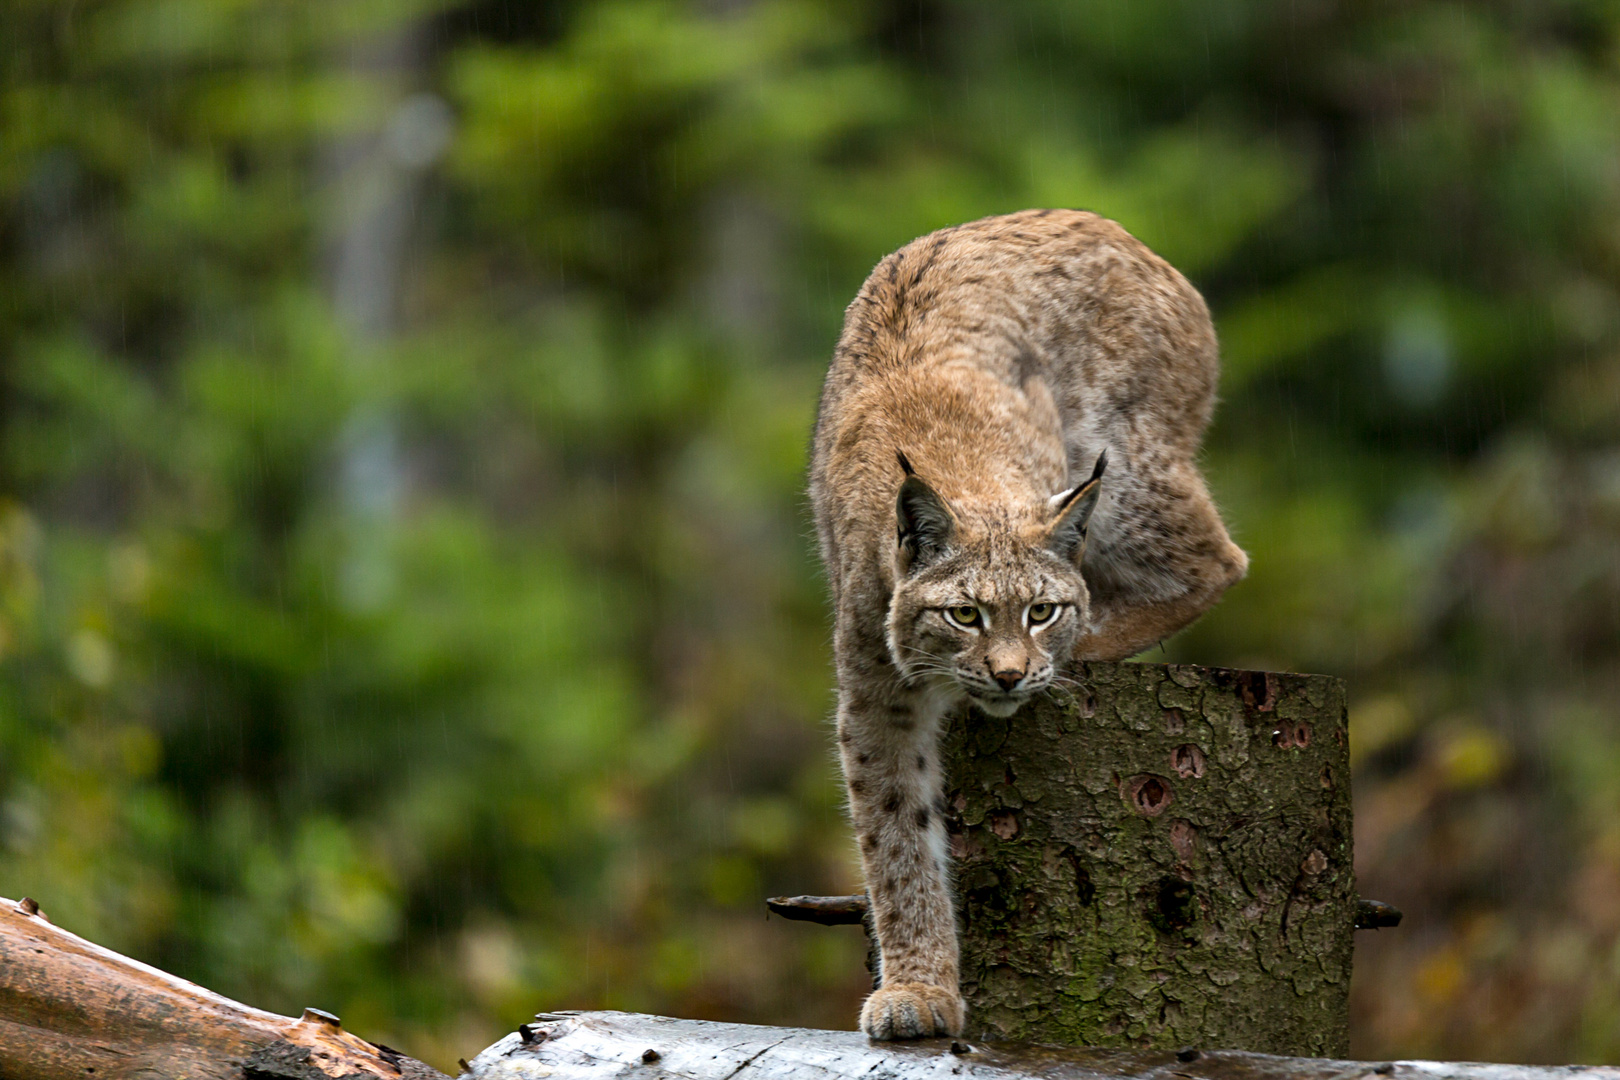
1011 401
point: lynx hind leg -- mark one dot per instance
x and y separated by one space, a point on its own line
1159 561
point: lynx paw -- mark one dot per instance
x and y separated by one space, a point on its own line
912 1011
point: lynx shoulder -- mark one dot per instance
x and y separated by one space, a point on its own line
1004 483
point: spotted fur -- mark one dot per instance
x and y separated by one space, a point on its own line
959 483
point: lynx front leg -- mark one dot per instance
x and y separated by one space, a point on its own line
891 764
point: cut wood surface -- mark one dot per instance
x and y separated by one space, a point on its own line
72 1010
600 1045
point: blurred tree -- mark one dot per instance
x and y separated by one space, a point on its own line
406 604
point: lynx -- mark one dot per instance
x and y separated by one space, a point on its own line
1004 483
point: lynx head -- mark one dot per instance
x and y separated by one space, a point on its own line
991 608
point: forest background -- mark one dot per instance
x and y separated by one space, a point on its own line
407 599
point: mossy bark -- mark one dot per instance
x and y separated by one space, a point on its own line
1160 858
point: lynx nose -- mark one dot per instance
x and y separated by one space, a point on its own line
1007 678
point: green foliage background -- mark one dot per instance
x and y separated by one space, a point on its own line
407 604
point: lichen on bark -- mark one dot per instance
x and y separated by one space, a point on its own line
1160 857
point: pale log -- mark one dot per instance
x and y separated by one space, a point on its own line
608 1045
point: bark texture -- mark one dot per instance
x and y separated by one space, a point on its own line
1159 858
604 1045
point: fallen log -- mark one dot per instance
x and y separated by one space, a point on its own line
599 1045
72 1010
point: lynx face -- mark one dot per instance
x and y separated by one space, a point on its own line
992 624
988 609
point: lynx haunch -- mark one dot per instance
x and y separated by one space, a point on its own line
1004 483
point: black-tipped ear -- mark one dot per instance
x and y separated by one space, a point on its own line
1066 535
923 523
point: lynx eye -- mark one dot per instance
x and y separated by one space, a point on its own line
1040 613
963 615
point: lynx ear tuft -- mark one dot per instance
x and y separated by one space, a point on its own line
923 523
905 463
1101 466
1066 535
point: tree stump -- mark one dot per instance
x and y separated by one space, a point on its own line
1159 857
